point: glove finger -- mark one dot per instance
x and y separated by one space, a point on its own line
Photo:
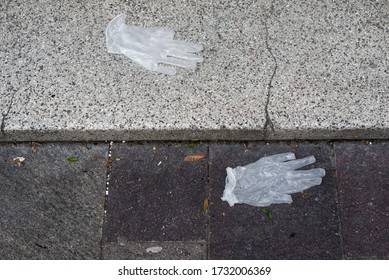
277 198
185 46
185 55
306 174
295 164
156 67
178 62
301 185
266 199
279 157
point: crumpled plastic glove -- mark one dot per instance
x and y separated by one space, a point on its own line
151 47
270 180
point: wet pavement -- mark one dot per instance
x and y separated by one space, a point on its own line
161 200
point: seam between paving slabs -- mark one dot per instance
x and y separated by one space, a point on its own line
207 211
108 168
338 208
268 121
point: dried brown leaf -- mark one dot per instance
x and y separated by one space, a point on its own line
206 204
305 195
109 164
197 157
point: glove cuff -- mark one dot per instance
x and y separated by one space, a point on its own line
229 188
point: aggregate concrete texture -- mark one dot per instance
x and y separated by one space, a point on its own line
271 70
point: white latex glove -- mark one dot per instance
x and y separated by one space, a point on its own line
270 180
151 47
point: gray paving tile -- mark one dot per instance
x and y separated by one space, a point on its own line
306 229
164 250
155 195
363 179
52 208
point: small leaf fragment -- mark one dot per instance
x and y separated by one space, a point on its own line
367 142
193 144
19 161
109 164
267 212
117 158
304 195
206 205
72 159
197 157
34 147
154 250
294 144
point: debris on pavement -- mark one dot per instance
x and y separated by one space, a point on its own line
197 157
154 250
20 161
152 48
270 180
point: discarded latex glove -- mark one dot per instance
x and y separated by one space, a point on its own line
270 180
151 47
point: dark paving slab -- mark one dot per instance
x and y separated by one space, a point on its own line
306 229
155 195
52 208
163 250
363 179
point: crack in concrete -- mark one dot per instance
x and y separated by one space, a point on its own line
5 115
268 122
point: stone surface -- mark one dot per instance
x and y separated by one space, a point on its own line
316 70
305 229
155 195
54 209
167 250
51 208
363 176
67 85
332 69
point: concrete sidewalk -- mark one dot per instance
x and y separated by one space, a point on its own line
272 70
145 201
